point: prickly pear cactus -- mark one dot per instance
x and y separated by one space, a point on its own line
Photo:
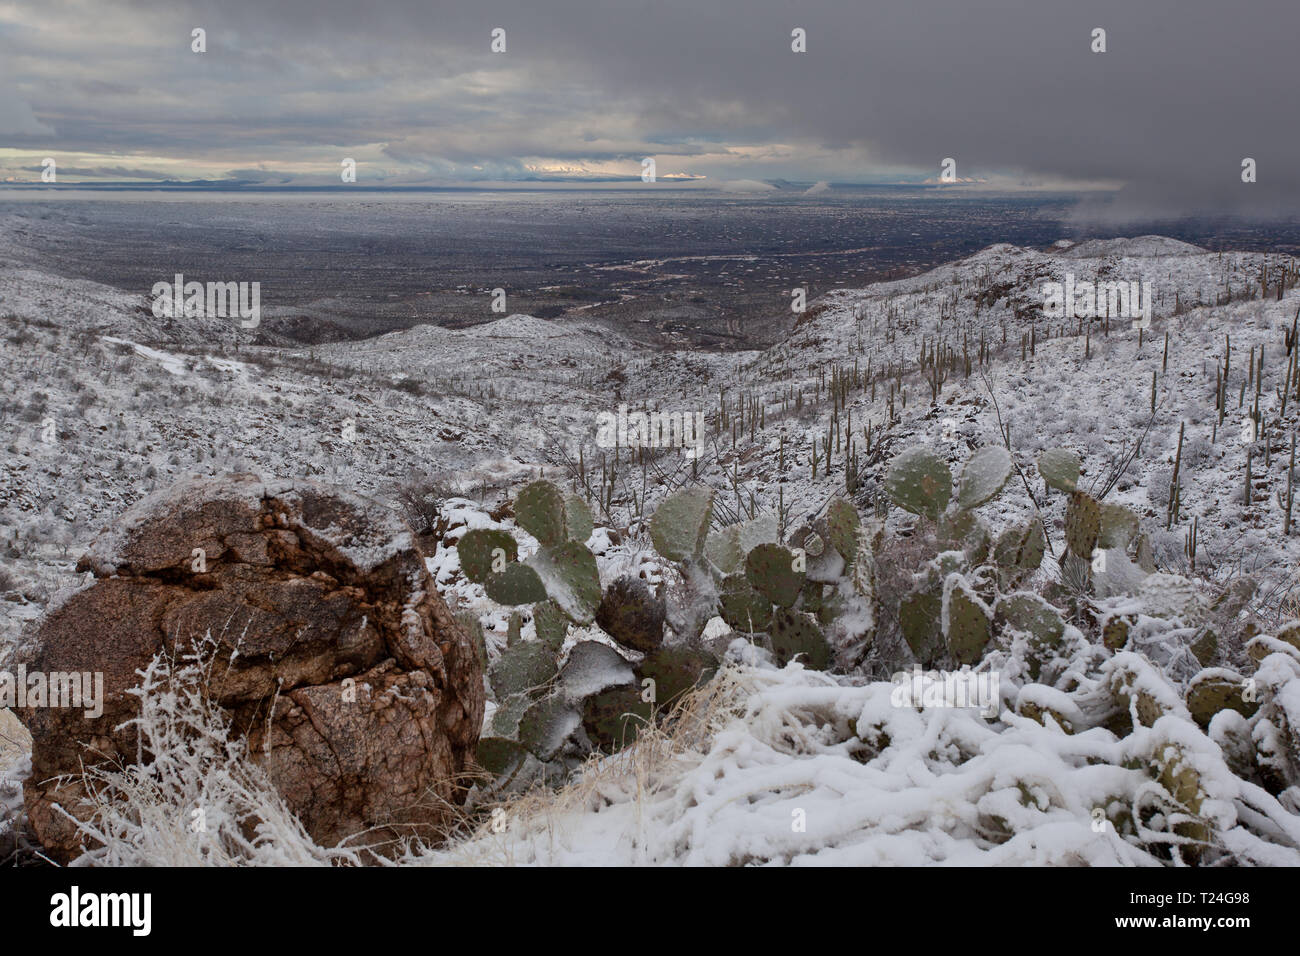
1019 552
1177 774
485 550
570 577
967 621
863 570
527 665
546 725
962 530
499 756
1217 689
539 509
1060 469
505 721
1082 524
631 615
669 672
680 525
842 522
742 607
918 481
591 668
1115 627
774 572
982 478
551 625
920 616
517 584
794 635
1031 615
1118 526
722 548
613 718
577 519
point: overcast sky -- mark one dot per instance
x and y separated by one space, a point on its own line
586 88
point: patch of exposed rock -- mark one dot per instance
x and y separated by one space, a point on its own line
359 693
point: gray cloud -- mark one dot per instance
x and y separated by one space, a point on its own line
1008 88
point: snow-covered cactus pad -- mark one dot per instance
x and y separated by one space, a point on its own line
1216 689
964 530
551 625
723 550
568 572
523 667
577 518
982 478
1019 551
1060 467
1118 526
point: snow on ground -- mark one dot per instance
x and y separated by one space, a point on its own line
103 404
777 769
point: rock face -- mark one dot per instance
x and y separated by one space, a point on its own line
359 693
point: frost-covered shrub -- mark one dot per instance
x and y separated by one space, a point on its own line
1159 481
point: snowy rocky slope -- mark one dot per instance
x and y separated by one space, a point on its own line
102 405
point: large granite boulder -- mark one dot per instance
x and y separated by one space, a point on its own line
334 654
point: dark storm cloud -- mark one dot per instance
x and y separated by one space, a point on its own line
1185 91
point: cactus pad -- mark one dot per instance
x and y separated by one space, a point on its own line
967 623
547 725
1215 690
551 625
741 606
1060 469
539 509
527 665
681 523
591 668
797 635
613 718
1118 527
577 519
517 584
568 571
479 548
675 670
631 615
723 549
499 755
1082 524
984 475
919 482
770 570
842 522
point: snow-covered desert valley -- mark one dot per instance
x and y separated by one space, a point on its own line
1140 692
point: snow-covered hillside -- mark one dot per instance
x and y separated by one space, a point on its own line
102 404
